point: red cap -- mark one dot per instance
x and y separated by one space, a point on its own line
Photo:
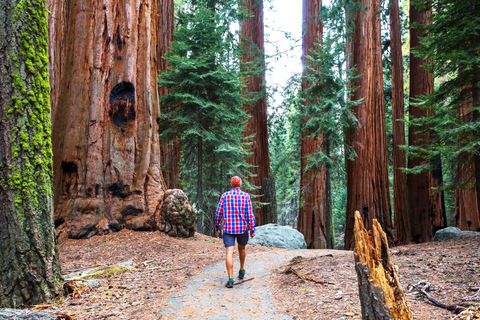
236 182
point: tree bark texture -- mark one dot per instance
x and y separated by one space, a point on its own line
425 207
400 197
367 174
252 40
381 294
170 150
466 205
104 113
312 215
29 267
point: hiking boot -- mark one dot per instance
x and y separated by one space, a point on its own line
229 284
241 274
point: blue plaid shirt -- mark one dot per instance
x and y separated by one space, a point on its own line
235 207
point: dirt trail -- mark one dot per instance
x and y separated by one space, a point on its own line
204 296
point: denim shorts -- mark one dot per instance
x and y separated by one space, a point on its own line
229 239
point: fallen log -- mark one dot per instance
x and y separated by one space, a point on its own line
381 295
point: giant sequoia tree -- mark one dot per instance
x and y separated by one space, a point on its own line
452 121
29 267
252 41
367 175
400 198
312 215
104 110
426 208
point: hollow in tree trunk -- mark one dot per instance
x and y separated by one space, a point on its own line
104 114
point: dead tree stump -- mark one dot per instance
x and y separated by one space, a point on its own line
381 295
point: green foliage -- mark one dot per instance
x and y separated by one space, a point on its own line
284 148
327 109
204 106
452 48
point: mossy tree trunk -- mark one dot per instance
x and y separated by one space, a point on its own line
29 267
426 209
106 161
312 215
367 174
252 41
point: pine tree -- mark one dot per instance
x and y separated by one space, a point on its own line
204 106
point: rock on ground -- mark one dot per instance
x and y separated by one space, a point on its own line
450 233
25 314
274 235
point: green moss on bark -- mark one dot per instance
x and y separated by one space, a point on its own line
27 177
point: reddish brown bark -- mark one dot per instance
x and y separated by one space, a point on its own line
252 40
425 207
104 114
170 150
466 208
312 214
400 198
367 175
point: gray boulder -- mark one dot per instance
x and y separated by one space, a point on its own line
449 233
25 314
274 235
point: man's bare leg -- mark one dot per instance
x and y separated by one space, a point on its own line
242 253
229 262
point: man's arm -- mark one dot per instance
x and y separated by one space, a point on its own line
250 217
219 214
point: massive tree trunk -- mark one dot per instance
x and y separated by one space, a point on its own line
425 208
312 215
104 113
29 267
367 175
400 198
170 150
252 40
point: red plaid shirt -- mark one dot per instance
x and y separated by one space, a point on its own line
235 207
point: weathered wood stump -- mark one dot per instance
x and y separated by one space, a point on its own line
381 295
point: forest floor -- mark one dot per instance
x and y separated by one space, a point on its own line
172 278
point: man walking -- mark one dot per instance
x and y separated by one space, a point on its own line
235 207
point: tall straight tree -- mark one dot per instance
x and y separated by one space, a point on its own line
252 42
312 214
454 121
170 150
425 207
400 198
29 267
367 175
104 114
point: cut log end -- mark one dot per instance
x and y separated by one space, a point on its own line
381 295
